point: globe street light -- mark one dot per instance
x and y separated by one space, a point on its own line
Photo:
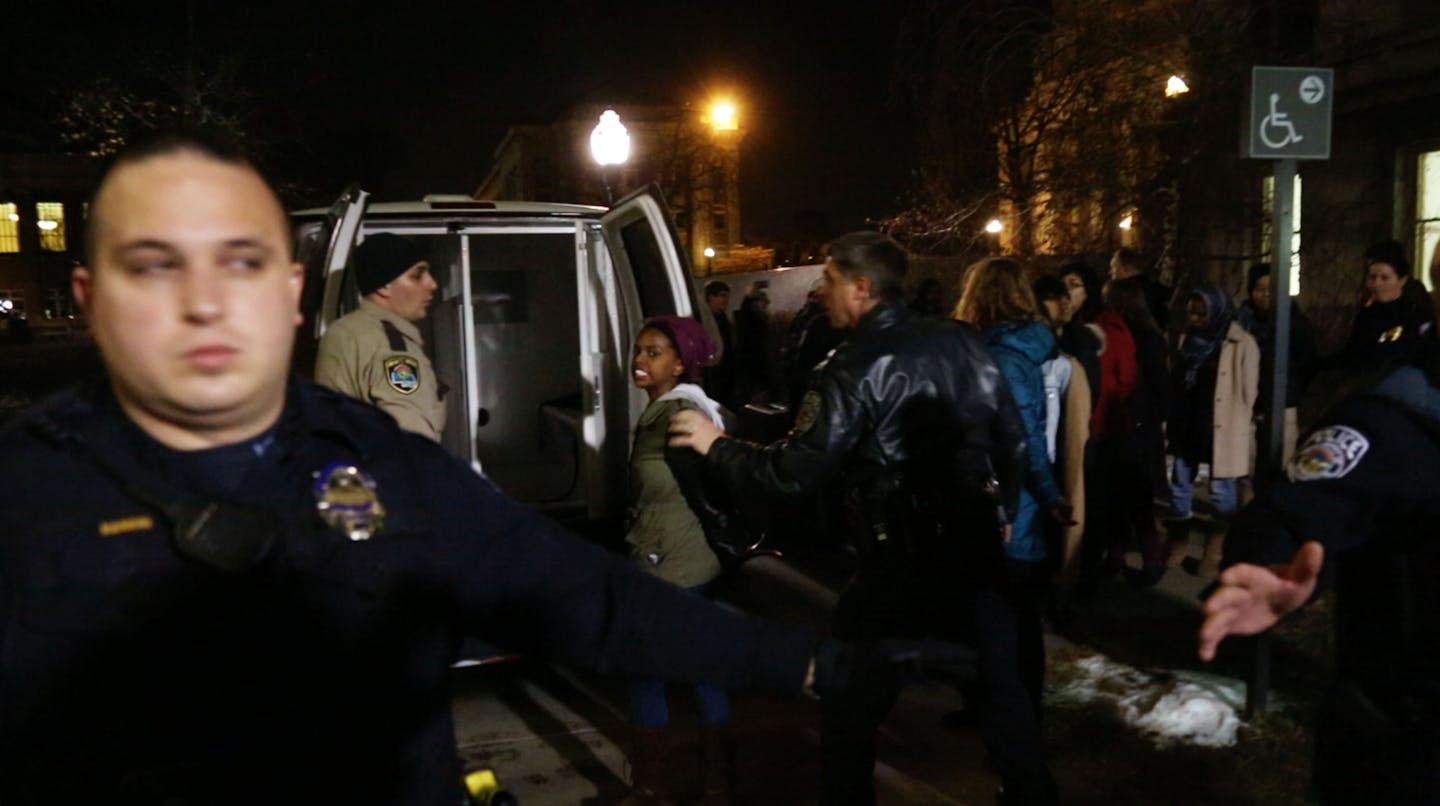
609 145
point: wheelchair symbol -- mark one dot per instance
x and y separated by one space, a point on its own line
1279 123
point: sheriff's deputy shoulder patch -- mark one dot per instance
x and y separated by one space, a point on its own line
403 374
809 410
1329 453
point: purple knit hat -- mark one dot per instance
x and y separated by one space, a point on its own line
691 343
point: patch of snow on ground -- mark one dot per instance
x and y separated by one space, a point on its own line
1167 706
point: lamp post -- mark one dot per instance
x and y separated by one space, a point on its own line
609 145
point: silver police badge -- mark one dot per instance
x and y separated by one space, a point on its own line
346 499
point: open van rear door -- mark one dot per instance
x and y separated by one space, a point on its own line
317 240
343 219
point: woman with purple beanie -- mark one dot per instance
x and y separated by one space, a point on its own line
667 539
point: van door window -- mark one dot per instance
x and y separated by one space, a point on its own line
647 262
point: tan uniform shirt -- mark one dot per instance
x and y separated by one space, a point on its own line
373 355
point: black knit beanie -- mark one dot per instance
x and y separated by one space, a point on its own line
381 258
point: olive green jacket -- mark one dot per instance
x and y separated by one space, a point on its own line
665 537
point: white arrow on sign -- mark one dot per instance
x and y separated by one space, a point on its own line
1312 89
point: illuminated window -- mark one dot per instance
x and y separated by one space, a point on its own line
1427 215
9 228
50 218
1266 237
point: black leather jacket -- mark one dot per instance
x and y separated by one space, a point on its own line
906 403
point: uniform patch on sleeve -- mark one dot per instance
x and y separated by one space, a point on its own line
1329 453
809 410
403 374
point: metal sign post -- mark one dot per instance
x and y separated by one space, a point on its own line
1289 120
1282 230
1290 109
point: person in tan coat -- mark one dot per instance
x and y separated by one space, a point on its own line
1217 378
375 353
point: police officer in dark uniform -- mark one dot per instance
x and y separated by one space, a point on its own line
913 418
1361 499
217 585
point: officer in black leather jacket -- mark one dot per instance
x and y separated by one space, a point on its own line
912 417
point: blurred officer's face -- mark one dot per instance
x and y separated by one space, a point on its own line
408 296
846 298
192 298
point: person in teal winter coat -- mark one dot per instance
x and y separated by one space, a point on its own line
998 301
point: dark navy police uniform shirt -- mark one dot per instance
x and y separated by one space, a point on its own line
132 673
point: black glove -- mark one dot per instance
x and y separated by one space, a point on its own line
841 667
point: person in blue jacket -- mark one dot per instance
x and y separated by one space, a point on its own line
998 301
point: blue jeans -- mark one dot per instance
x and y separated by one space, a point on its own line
1182 491
648 708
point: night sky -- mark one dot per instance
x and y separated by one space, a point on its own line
414 99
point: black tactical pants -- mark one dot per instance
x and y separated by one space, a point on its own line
943 597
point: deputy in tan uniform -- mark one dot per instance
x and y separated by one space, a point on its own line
375 353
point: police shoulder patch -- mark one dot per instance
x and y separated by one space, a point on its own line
402 372
1329 453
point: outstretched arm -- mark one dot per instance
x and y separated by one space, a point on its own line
1251 598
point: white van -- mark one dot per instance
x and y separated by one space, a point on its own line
531 327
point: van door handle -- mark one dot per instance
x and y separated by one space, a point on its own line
482 417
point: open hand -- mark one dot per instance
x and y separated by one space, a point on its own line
1252 598
691 429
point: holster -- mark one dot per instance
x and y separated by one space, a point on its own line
892 514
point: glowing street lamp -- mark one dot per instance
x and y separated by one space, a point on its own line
609 145
1175 85
1127 222
994 227
724 117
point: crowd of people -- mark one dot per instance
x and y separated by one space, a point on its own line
242 530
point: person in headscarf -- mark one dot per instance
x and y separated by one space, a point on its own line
1217 380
